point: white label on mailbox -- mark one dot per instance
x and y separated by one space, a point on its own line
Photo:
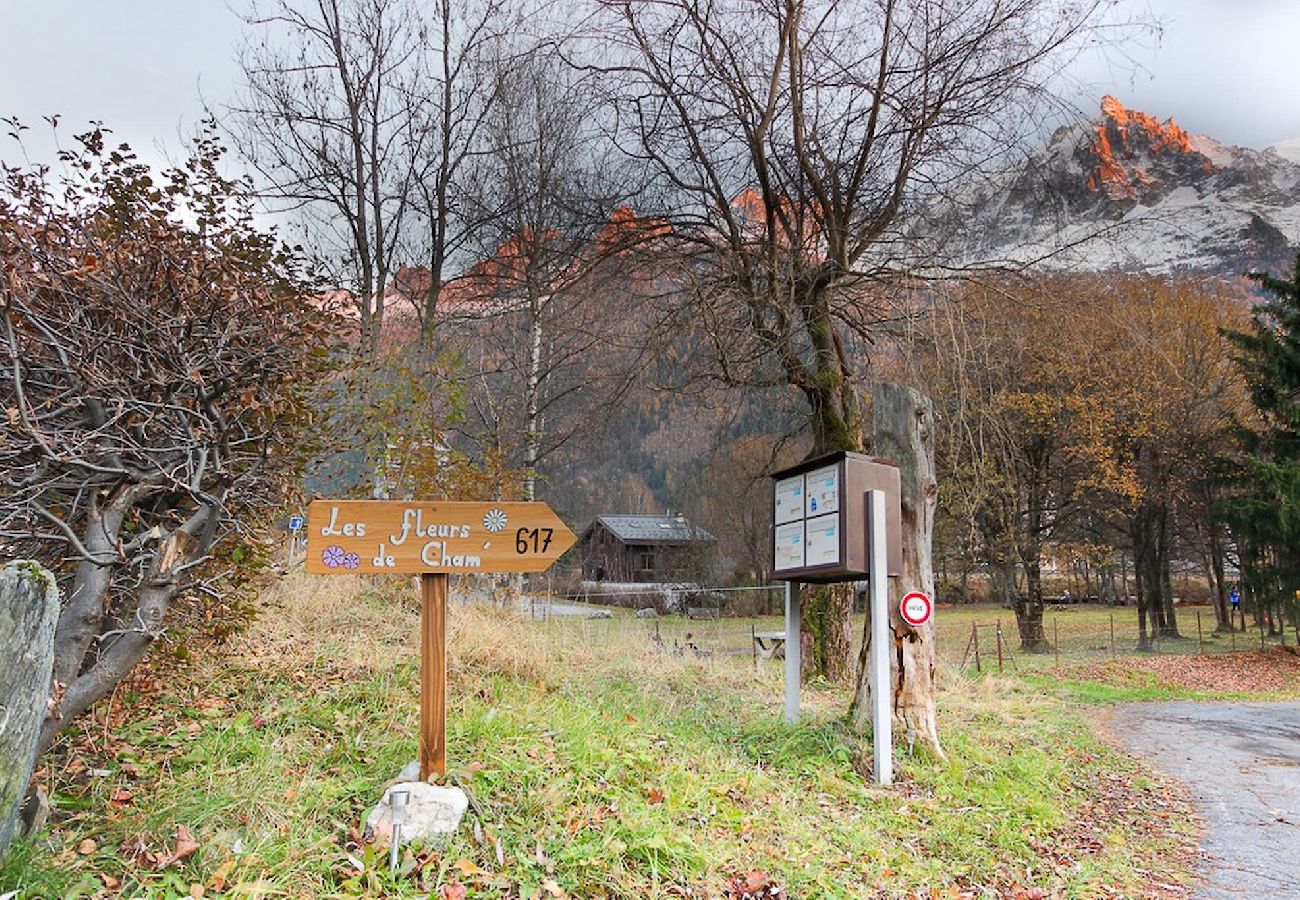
823 538
789 499
823 491
789 547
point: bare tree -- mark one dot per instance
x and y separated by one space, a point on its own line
334 123
466 55
155 381
788 140
558 267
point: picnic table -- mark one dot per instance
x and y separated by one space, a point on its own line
770 644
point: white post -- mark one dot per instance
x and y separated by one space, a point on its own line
792 645
878 571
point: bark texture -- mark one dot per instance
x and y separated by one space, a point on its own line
903 426
29 609
828 625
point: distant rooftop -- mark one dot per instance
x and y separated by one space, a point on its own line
651 529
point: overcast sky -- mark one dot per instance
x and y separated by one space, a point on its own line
1227 68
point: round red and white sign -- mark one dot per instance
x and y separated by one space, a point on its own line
915 608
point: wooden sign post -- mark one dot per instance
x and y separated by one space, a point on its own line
432 539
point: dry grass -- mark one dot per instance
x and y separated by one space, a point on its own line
306 617
373 625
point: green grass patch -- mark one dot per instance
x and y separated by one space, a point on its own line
619 775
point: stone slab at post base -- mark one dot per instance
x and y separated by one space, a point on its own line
431 814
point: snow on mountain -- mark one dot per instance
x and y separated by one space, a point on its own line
1288 150
1125 191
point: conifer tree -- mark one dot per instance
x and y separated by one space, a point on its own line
1265 517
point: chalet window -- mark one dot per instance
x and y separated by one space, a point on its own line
646 558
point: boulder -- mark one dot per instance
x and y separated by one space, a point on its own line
431 813
647 613
29 611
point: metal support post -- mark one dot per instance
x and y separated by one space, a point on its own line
793 663
878 568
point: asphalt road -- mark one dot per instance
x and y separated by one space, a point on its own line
1241 761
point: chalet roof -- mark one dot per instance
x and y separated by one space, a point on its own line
644 529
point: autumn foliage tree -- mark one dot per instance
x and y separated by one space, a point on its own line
1083 411
159 352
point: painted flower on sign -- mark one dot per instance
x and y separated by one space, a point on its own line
494 520
333 556
351 561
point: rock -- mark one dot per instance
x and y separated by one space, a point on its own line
29 611
600 614
410 772
431 813
647 613
35 812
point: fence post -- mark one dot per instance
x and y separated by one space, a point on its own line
975 636
753 645
999 627
1200 638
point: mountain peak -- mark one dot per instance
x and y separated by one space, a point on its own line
1124 190
1127 146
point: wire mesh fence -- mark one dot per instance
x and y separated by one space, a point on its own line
702 625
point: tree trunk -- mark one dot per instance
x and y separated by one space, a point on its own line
1029 606
828 620
1002 582
29 611
532 395
903 427
1170 628
1222 612
1142 583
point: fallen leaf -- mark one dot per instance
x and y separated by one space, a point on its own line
756 885
196 891
186 847
452 890
86 847
654 796
219 877
466 867
552 888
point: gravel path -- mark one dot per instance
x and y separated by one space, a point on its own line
1241 762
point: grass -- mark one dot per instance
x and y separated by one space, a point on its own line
598 769
1083 634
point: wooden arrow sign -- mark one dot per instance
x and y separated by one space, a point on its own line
395 537
386 537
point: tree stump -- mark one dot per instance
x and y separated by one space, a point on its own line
903 432
29 610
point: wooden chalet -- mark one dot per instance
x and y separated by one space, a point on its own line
644 549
